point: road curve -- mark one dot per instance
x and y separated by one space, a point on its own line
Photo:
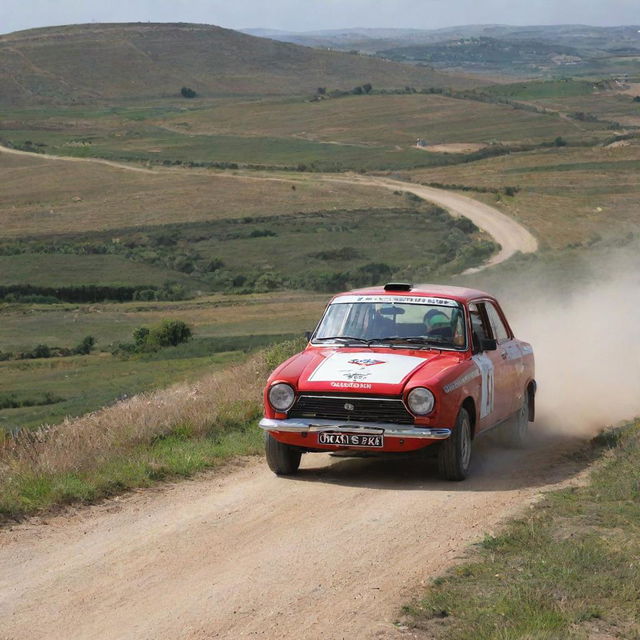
329 554
505 231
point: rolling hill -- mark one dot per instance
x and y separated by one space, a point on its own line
85 63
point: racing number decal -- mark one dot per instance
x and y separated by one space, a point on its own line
485 365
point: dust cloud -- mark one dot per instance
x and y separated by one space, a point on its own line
586 341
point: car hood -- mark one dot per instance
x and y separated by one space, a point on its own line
378 370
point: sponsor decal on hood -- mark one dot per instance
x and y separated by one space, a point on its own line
361 367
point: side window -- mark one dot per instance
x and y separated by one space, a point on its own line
478 325
500 332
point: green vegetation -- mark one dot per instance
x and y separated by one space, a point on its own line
138 442
250 254
567 569
566 87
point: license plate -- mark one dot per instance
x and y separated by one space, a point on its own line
351 439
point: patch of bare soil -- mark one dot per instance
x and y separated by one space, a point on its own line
454 147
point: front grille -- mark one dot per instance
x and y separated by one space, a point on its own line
365 409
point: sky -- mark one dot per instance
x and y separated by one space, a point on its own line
308 15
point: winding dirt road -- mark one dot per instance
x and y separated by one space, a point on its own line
509 234
332 553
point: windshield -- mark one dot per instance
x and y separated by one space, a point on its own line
417 321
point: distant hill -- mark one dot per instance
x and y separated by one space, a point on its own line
372 40
92 62
528 50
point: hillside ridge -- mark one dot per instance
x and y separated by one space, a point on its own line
114 61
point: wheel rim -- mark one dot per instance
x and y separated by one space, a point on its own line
465 445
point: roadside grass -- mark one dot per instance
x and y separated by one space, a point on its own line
154 436
566 569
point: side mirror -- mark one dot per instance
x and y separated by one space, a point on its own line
307 335
488 344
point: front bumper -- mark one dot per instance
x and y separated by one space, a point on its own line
299 425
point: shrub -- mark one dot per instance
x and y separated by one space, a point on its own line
186 92
85 347
169 333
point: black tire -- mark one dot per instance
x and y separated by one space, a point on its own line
516 431
454 457
282 459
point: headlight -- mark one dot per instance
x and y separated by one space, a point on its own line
420 401
281 396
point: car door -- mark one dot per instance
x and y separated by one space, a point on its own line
510 352
496 385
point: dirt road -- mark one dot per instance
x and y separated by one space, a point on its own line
509 234
46 156
332 553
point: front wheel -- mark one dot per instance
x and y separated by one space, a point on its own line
454 456
282 459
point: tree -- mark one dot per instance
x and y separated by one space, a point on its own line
186 92
560 142
367 87
322 91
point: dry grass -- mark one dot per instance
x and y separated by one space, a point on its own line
41 196
379 119
36 466
84 443
568 195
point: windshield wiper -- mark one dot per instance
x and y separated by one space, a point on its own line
345 339
412 340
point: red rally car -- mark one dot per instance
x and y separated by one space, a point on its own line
398 368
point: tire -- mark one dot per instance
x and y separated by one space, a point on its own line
282 459
454 456
516 430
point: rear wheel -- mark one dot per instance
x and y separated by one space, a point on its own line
282 459
454 456
517 429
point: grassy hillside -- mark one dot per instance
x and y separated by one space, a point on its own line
568 196
85 63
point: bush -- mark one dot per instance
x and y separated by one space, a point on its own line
41 351
169 333
186 92
85 347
